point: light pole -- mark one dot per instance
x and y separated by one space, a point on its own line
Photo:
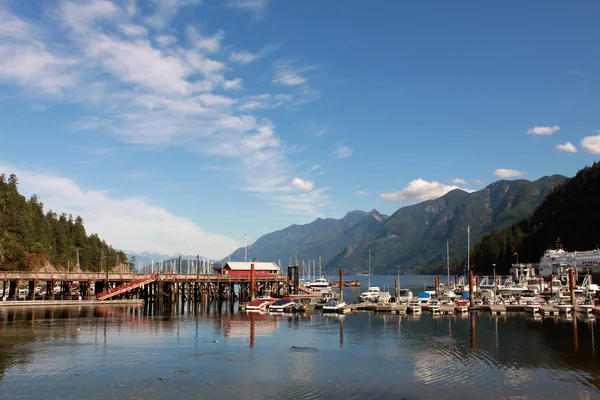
398 286
494 265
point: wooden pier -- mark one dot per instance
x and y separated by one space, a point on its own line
549 311
447 309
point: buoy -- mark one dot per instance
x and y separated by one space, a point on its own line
215 341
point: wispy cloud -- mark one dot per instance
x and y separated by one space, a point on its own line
591 144
246 57
361 193
478 181
289 74
568 147
458 181
420 190
257 8
508 173
543 130
127 222
342 151
138 82
315 129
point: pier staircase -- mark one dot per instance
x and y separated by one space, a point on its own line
126 287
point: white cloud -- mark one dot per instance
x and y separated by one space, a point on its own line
568 147
246 57
342 151
303 185
264 101
289 75
458 181
315 129
134 30
138 82
234 84
508 173
124 222
591 144
256 7
361 193
478 181
420 190
543 130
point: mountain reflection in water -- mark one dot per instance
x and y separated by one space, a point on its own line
128 353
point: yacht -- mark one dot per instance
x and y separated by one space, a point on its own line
372 294
281 305
333 305
319 285
260 304
424 298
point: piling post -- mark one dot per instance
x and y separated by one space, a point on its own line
471 294
396 286
572 286
252 282
341 284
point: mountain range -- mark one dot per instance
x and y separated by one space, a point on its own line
413 237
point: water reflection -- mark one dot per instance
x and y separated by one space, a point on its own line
97 349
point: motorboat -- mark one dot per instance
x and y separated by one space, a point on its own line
526 296
404 295
461 306
319 285
384 298
281 305
424 298
260 304
533 306
435 307
372 294
333 305
585 306
414 307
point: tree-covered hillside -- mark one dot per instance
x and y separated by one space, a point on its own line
570 212
31 239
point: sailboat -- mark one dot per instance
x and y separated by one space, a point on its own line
448 293
372 293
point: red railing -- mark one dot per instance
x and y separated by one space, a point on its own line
126 287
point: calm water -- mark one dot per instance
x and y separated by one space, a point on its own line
110 352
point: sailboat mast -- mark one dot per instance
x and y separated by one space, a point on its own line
369 285
320 272
448 260
468 248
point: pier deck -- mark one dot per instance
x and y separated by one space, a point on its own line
549 311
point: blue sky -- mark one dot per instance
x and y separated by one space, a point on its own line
180 125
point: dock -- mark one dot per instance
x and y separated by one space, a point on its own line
393 308
549 311
447 309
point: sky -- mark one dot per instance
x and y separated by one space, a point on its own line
179 126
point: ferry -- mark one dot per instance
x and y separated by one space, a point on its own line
552 261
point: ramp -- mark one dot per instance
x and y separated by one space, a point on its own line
126 287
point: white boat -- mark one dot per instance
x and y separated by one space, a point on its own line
526 296
372 294
414 307
260 304
424 298
333 305
534 305
553 261
435 307
404 295
281 305
461 306
585 306
319 284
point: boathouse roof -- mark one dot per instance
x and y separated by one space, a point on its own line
246 266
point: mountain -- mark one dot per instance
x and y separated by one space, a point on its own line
570 212
416 235
322 237
146 257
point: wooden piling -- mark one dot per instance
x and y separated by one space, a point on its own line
471 294
341 284
252 282
572 286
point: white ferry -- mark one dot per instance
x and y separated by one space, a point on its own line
554 260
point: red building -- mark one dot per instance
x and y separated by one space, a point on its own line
243 268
